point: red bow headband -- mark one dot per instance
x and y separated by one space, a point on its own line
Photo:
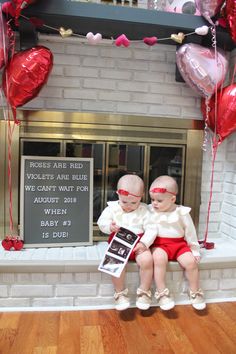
124 192
161 190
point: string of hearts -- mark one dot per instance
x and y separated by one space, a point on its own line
122 40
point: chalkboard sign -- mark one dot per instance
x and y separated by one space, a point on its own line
56 201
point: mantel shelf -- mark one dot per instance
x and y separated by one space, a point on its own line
112 21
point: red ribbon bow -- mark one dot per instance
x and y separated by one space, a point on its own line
126 193
161 190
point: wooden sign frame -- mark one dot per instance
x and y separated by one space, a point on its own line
56 201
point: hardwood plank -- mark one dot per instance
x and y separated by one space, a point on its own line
45 350
9 323
150 323
112 338
47 329
135 341
175 335
89 318
26 334
181 331
91 340
224 321
230 309
69 333
214 332
190 322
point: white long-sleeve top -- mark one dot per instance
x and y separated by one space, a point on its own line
137 221
177 223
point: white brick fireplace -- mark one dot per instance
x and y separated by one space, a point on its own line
138 80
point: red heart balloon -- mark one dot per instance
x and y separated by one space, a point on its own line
4 42
231 17
225 122
19 6
26 74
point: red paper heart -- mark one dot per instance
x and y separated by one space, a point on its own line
225 122
122 40
18 244
26 74
150 40
7 244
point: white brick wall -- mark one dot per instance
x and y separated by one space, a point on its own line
135 80
96 291
139 80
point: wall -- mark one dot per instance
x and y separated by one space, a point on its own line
139 80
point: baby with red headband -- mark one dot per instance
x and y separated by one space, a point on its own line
129 212
176 241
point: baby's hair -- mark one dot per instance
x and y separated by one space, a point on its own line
166 182
131 183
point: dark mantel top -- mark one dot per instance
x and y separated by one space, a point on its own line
112 21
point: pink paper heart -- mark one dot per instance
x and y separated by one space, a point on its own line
122 40
150 40
200 69
94 39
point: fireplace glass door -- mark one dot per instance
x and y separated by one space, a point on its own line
112 160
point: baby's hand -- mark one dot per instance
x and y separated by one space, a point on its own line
140 248
197 259
114 227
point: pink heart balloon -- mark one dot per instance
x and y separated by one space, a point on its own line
200 69
122 40
209 8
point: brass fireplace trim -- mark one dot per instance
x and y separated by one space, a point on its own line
54 126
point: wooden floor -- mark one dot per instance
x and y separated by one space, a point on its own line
181 330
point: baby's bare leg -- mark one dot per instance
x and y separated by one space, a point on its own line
187 261
145 263
119 283
160 259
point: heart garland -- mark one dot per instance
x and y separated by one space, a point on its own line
178 38
94 38
122 40
65 33
150 40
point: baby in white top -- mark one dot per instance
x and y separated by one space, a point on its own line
130 213
176 241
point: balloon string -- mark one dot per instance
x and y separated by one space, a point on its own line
232 81
9 135
206 130
214 151
215 140
213 32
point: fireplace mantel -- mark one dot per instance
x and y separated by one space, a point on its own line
112 21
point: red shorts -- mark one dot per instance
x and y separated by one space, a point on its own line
132 254
174 247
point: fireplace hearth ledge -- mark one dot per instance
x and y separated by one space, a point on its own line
67 278
87 258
